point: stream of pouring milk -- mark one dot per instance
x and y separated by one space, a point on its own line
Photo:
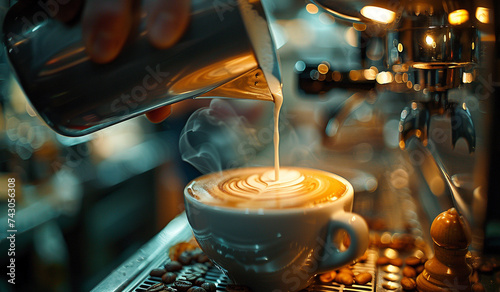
256 25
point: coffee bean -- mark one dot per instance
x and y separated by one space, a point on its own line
201 268
168 277
199 281
157 272
408 283
398 262
202 258
237 288
191 277
196 289
381 261
209 287
173 266
344 278
185 258
409 272
346 270
363 278
478 287
182 285
156 287
327 277
412 261
170 289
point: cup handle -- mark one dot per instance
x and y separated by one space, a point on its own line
357 229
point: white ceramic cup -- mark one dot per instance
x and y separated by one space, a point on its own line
278 249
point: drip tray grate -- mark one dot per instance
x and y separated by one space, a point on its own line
221 281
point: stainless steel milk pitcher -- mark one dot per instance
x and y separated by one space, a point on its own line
218 56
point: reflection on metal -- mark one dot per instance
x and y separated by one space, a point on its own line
378 14
483 14
415 120
458 17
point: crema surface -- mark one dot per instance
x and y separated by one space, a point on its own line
254 188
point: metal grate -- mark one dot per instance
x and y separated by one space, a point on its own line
215 276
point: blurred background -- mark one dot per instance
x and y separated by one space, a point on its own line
84 205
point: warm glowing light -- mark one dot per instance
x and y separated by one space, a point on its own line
473 46
400 47
336 76
354 75
384 77
351 37
467 77
409 84
391 253
359 26
483 14
311 8
378 14
414 105
429 40
464 106
370 74
323 68
398 77
458 17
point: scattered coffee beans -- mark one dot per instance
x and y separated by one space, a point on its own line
209 287
182 285
363 278
327 277
412 261
168 277
173 266
398 262
409 272
156 288
408 283
381 261
344 278
157 272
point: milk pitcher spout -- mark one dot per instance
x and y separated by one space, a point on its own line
223 53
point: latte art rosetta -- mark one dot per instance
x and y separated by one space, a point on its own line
256 188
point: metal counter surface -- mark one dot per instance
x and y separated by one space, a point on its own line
149 256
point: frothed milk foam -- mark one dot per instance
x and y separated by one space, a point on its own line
255 188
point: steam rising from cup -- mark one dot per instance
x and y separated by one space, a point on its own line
216 138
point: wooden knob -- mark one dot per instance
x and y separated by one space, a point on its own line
448 269
449 230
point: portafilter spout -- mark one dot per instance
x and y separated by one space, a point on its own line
415 120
